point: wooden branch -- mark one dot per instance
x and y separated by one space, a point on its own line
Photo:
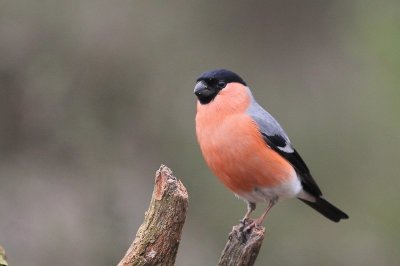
3 257
243 245
158 238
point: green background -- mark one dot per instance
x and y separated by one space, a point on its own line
95 95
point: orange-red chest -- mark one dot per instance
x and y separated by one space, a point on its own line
232 145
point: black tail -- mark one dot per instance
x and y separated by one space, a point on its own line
326 209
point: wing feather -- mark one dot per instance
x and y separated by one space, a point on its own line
276 138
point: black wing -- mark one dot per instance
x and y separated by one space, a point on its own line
279 144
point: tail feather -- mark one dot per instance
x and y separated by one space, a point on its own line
326 209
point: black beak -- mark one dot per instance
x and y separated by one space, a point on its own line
205 92
201 89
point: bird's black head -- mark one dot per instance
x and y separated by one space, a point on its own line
210 83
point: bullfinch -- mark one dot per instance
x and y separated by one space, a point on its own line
247 149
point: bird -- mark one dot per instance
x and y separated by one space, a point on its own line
248 150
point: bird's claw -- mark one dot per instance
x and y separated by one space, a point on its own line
248 228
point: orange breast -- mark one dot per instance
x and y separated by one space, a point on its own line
232 145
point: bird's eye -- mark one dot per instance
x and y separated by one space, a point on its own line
221 84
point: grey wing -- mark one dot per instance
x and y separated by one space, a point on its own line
276 138
270 127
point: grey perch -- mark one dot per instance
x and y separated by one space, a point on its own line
243 245
157 239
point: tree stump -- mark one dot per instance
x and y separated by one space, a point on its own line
243 245
157 239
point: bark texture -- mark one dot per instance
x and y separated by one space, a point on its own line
3 258
243 245
157 239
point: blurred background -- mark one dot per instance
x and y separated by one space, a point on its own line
95 95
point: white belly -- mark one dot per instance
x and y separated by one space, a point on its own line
289 189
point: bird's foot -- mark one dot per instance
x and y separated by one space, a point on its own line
244 220
260 220
253 224
247 224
